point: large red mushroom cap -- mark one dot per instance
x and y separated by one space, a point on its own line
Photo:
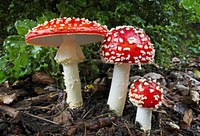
50 33
127 44
146 93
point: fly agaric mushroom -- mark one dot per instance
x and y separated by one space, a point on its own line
123 46
146 95
68 34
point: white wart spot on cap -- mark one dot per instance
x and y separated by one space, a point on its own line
132 40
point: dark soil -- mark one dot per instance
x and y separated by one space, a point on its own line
38 109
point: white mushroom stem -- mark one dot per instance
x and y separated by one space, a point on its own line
69 54
143 117
73 85
119 88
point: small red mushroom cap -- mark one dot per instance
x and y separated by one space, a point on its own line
146 93
127 44
50 33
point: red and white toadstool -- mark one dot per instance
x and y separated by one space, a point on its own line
123 46
68 34
146 95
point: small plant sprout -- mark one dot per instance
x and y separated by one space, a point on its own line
146 95
123 46
68 34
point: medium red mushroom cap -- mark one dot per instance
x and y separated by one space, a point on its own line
127 44
146 93
50 33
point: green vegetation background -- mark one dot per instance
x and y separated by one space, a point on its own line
172 25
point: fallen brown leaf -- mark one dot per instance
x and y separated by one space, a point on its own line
41 77
187 118
7 99
39 90
194 96
63 118
12 112
5 84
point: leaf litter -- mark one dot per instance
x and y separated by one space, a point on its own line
35 105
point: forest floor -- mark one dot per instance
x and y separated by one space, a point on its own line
35 106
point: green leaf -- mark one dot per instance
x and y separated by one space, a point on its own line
23 26
188 3
36 50
18 56
47 15
3 62
197 9
21 65
66 9
3 76
81 3
12 45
